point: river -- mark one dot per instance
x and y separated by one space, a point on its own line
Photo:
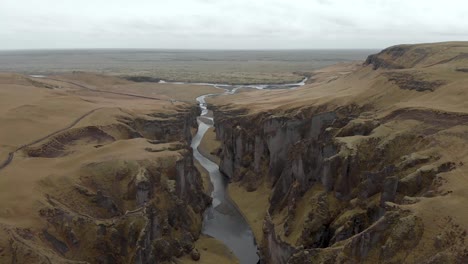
222 220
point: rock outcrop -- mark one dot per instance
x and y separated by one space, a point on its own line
354 185
418 55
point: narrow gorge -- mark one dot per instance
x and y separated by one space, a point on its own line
222 220
361 162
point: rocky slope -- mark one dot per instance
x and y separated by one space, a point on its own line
117 186
367 167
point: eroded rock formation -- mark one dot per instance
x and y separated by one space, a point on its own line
354 184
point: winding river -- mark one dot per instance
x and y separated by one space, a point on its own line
230 88
222 220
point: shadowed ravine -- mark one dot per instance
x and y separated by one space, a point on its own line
223 220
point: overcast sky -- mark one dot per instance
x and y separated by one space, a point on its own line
229 24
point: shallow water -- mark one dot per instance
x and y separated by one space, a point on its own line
222 220
230 89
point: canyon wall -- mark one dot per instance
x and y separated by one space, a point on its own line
145 207
349 178
350 216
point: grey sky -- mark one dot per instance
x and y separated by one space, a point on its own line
229 24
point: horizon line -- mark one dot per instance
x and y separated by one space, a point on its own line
187 49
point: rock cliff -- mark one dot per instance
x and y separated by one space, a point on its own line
352 176
124 211
119 186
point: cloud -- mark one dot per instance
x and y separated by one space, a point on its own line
228 23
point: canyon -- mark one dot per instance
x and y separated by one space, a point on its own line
98 176
364 162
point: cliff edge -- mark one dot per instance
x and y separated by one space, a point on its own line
95 169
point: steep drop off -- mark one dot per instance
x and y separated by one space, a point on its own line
367 167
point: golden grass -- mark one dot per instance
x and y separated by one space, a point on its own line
28 113
186 93
253 205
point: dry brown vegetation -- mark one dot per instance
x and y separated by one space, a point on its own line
368 164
